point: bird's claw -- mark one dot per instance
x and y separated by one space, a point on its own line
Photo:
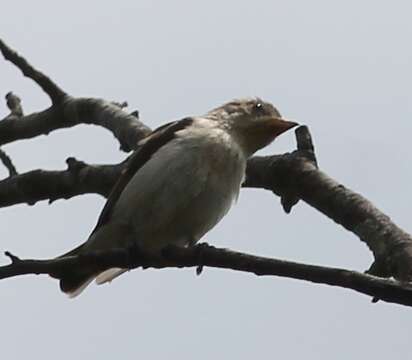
200 250
199 269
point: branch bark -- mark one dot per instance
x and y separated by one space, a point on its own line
67 111
126 128
55 93
298 174
8 163
14 104
387 290
79 178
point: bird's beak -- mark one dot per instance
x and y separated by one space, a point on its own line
279 125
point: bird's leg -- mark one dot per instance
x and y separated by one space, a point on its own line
200 250
199 253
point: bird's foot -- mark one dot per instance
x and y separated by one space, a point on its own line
200 250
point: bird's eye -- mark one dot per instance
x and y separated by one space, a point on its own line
259 107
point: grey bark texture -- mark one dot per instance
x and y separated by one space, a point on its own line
292 176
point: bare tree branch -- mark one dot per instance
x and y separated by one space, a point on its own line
8 163
292 176
55 93
74 111
384 289
79 178
16 111
67 111
391 246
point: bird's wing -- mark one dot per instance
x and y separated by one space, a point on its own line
150 145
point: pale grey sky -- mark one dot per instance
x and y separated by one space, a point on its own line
342 67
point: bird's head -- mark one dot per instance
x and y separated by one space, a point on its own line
253 123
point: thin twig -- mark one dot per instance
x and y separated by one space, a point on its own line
8 163
67 111
55 93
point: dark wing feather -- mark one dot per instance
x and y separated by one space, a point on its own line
152 143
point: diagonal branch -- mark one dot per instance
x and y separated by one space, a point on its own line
8 163
55 93
384 289
66 111
297 174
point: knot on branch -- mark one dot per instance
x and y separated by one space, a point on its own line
69 183
14 104
74 165
14 259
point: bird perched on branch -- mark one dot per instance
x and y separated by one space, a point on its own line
180 183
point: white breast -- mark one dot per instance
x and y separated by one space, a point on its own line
184 189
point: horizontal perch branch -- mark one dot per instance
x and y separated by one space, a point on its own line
79 178
387 290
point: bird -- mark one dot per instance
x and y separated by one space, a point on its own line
179 183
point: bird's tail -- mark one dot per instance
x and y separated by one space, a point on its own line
75 280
